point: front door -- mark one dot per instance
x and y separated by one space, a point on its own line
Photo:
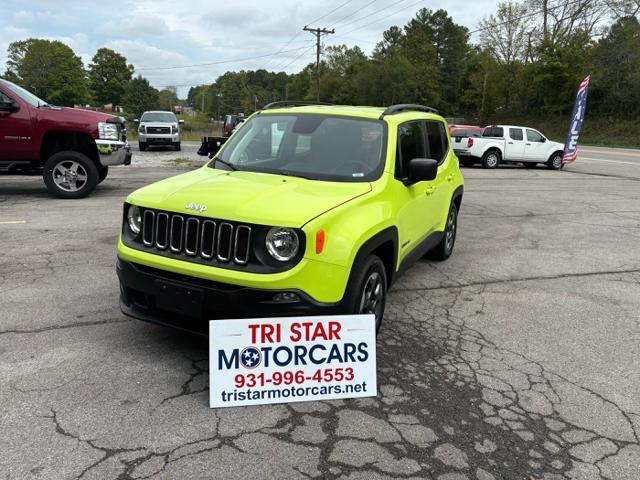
536 148
15 131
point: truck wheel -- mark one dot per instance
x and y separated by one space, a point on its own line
176 146
555 162
491 159
142 146
102 173
367 291
70 175
444 248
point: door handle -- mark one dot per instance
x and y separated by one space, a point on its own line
510 143
449 177
529 144
429 190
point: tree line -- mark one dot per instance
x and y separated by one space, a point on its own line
527 60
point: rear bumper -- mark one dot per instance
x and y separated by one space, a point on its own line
188 303
113 153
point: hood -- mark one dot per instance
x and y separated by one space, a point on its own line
250 197
75 114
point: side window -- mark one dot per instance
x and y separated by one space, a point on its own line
410 146
4 98
437 144
515 134
533 136
493 132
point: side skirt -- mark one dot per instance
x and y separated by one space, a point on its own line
418 252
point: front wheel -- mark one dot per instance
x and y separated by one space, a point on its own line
176 146
102 173
444 248
70 175
555 162
368 291
491 159
142 146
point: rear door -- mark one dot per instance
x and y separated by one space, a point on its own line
514 149
437 142
535 147
16 131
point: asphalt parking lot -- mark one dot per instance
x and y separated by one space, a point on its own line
515 359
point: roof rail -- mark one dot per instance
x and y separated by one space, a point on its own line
404 107
292 103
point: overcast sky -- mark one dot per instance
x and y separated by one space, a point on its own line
177 33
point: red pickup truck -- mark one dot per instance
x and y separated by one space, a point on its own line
73 148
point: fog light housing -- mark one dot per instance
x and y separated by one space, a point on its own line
286 297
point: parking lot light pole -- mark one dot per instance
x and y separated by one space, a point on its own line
318 32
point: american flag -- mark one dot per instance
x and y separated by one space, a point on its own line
577 119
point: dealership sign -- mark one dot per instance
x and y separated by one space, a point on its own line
276 360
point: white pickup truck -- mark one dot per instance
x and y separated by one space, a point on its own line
509 144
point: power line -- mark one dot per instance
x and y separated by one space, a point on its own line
383 18
334 10
354 12
374 13
219 62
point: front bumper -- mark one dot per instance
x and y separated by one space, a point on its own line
188 303
113 152
159 138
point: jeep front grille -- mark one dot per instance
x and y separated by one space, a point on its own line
194 237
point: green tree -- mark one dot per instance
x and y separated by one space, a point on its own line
50 69
109 76
617 69
139 96
168 98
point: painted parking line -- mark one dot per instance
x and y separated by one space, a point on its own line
637 164
13 222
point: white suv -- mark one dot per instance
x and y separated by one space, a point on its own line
158 128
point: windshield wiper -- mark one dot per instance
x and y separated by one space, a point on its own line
289 174
224 162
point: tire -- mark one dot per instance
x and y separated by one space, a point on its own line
444 248
555 162
368 280
70 175
491 159
142 146
467 162
176 146
529 164
102 173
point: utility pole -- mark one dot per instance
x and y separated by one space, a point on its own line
203 95
318 32
545 12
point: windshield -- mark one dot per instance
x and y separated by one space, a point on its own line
160 117
28 97
319 147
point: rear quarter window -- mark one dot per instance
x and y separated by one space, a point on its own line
493 132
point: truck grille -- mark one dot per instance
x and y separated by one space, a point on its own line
211 240
163 130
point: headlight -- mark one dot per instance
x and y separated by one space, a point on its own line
141 129
108 131
174 129
134 219
282 243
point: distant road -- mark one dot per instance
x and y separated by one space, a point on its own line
607 161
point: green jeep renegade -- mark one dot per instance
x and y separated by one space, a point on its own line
307 209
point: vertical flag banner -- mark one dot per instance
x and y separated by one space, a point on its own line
577 119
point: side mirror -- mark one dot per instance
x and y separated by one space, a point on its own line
9 107
544 139
136 120
422 170
181 121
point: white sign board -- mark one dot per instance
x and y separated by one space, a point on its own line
293 359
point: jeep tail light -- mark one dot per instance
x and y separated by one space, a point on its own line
470 142
320 238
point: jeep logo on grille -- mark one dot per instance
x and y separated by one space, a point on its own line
198 208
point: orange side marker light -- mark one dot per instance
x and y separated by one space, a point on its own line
320 238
